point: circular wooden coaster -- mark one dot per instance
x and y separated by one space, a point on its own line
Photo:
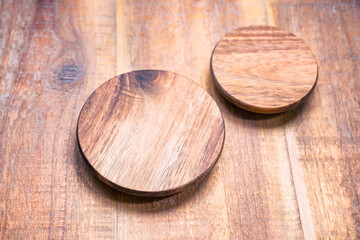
150 133
263 69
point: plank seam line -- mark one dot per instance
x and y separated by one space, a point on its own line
293 183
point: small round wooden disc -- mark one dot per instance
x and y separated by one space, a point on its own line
150 132
263 69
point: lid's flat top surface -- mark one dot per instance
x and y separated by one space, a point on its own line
263 69
150 132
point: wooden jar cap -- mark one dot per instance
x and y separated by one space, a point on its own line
263 69
150 133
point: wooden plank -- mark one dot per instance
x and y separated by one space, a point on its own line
323 135
55 54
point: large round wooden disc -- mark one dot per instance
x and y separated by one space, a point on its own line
150 133
263 69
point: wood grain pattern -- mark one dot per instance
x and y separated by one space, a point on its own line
323 141
263 69
53 55
288 176
150 132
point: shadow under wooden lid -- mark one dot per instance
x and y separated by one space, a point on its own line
263 69
150 132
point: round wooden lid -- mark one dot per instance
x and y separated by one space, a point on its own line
263 69
150 132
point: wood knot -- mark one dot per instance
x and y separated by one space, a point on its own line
146 75
69 73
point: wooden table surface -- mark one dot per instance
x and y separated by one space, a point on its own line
287 176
